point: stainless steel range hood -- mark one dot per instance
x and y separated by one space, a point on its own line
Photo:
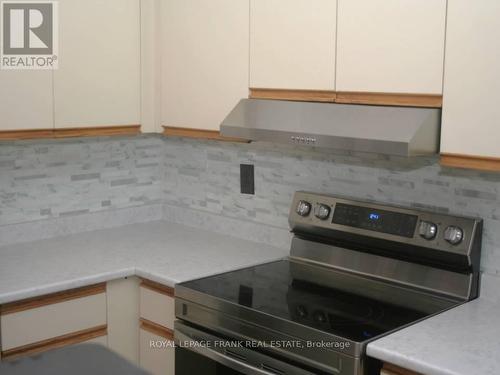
402 131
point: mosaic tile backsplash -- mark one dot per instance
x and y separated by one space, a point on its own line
60 178
54 179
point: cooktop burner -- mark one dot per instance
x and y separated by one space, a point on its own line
274 289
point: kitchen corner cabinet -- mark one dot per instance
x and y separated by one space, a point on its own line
391 46
292 44
204 60
471 114
98 80
123 317
26 99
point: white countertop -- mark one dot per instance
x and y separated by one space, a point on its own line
161 251
462 341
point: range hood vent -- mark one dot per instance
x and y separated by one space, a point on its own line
401 131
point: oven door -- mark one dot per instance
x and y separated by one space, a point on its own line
199 352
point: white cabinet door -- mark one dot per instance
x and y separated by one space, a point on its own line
157 354
123 317
39 324
98 80
391 46
26 100
157 307
292 44
204 60
471 112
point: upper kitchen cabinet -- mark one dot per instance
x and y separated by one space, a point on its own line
26 100
471 114
292 44
391 46
98 80
204 60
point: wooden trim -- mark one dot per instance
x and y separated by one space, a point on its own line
56 342
172 131
391 369
293 95
12 135
156 329
70 132
157 287
376 98
50 299
98 131
470 162
346 97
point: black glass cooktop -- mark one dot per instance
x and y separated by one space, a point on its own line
284 289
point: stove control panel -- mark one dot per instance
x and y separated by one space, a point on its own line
326 214
373 219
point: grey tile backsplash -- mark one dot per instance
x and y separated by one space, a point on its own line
66 178
60 178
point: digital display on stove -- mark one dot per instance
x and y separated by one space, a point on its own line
389 222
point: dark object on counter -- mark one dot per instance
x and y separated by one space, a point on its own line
85 359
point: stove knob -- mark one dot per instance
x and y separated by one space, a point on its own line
303 208
322 211
454 235
427 230
301 311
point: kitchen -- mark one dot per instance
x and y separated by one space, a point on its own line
211 172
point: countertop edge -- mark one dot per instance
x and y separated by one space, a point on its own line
45 289
109 276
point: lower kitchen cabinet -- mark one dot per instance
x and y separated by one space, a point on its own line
123 317
38 324
157 312
133 317
157 353
389 369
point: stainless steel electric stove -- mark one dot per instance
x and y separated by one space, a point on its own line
357 271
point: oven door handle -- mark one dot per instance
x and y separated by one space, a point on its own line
225 360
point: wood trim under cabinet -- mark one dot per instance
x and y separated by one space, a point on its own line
470 162
376 98
157 287
12 135
101 131
156 329
293 95
56 342
390 369
50 299
173 131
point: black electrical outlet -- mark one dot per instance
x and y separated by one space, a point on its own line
247 182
